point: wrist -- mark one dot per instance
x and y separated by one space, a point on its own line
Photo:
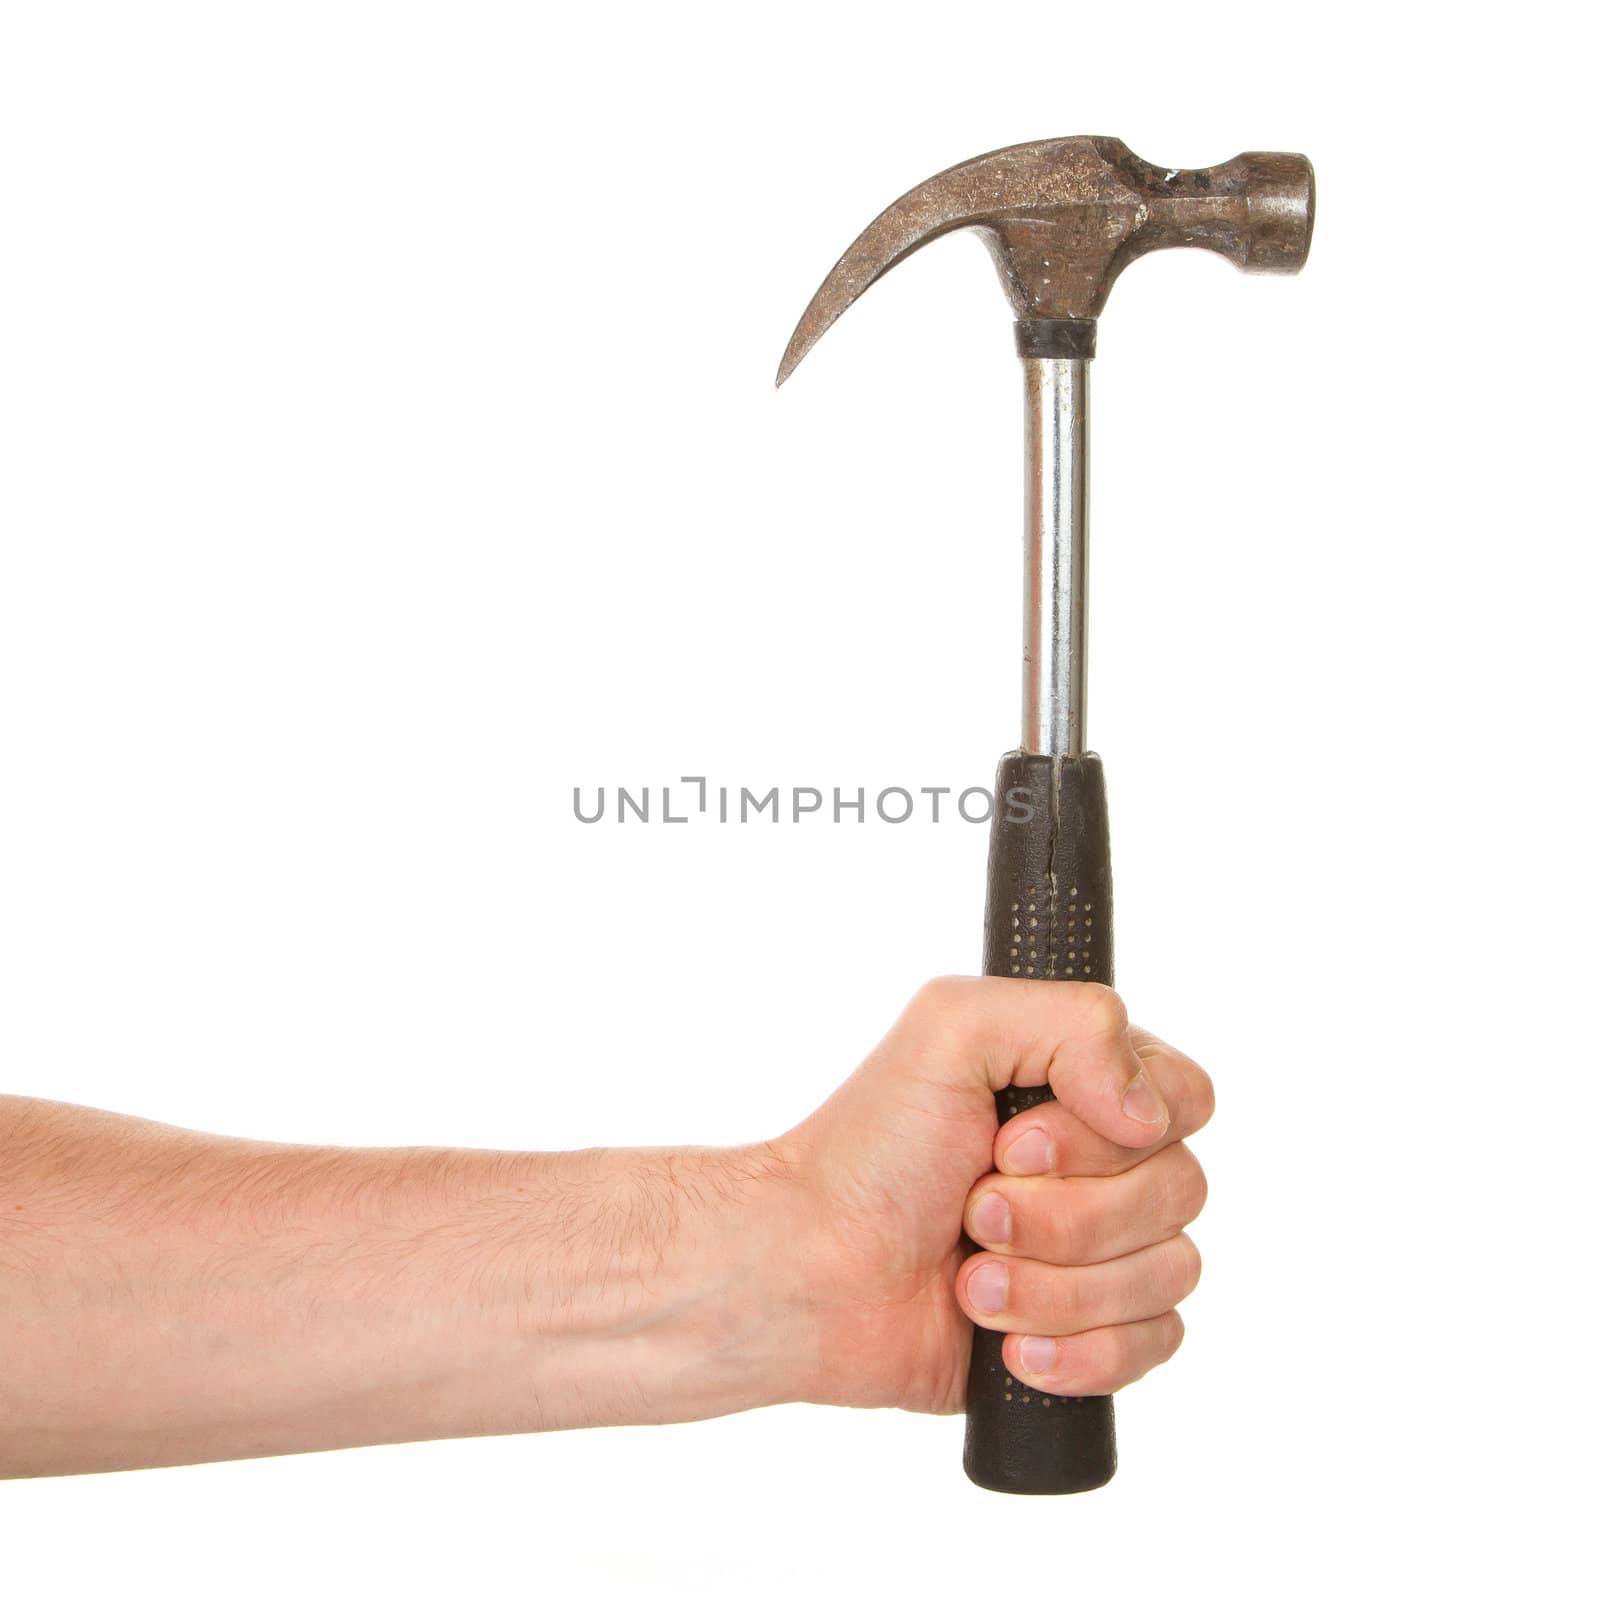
664 1286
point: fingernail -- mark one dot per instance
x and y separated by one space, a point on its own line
1141 1102
1030 1154
986 1288
991 1219
1037 1355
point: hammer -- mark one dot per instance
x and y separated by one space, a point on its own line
1061 217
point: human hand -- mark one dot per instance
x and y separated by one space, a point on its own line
1084 1255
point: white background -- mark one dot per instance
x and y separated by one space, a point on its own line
389 445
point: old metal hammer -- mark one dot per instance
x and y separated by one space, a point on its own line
1061 217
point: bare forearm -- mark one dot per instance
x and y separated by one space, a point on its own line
167 1296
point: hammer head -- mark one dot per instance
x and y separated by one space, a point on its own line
1062 217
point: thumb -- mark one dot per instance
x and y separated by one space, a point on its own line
1081 1032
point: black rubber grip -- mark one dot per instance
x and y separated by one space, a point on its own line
1048 916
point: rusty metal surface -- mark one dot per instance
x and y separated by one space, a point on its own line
1062 217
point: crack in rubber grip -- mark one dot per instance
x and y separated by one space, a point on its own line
1048 916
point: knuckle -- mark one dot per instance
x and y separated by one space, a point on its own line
1205 1095
1071 1230
1127 1353
946 1009
1068 1301
1102 1008
1104 1365
940 996
1185 1269
1188 1188
1173 1334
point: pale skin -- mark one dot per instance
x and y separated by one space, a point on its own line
170 1297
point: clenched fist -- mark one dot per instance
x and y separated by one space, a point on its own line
1078 1206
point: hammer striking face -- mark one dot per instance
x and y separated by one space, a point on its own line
1061 218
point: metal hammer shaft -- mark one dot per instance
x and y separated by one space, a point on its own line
1055 599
